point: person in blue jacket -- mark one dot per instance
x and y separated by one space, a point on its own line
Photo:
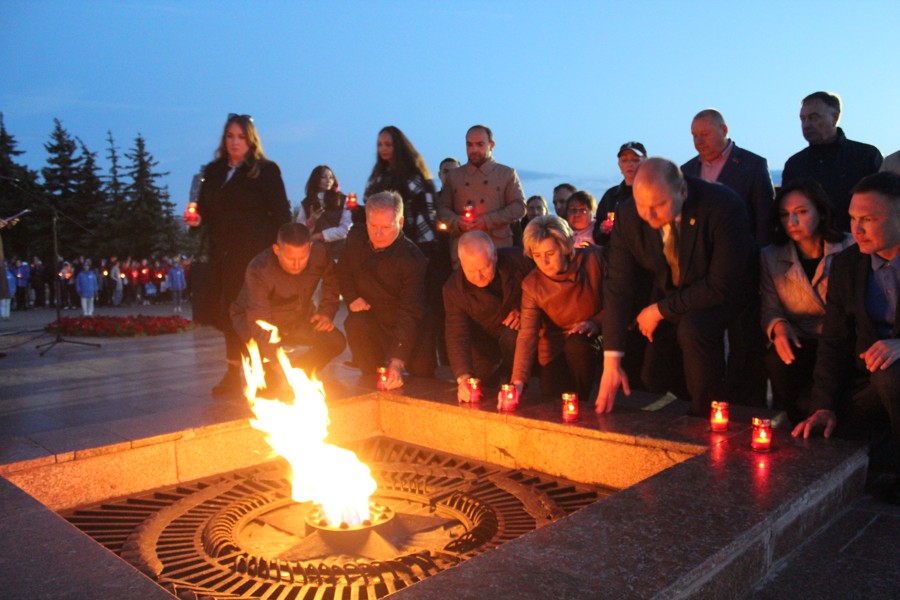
177 283
86 286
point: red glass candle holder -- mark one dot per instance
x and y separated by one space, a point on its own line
351 201
718 416
381 382
762 435
509 398
469 213
191 216
570 407
474 386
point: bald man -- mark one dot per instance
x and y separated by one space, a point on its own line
695 238
482 300
720 160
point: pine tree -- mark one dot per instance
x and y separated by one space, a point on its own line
61 185
146 224
91 209
18 187
115 197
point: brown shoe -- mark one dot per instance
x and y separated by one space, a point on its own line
230 383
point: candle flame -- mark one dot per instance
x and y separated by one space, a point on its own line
296 428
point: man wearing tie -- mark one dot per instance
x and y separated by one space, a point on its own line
695 238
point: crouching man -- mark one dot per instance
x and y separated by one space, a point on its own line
278 288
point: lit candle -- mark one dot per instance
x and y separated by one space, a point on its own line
718 416
509 397
470 211
351 201
762 435
381 383
191 216
474 385
569 407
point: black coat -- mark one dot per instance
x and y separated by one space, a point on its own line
718 259
838 167
241 218
848 330
748 175
468 306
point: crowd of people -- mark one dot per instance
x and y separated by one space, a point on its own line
699 280
82 283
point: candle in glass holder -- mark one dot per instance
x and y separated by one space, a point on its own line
570 407
762 435
718 416
191 216
474 386
381 382
469 213
351 201
509 397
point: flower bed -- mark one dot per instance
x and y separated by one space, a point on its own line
129 326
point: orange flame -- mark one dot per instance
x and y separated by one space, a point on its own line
296 429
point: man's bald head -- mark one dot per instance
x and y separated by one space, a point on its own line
477 258
659 191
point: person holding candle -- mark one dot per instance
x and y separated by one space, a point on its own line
482 300
324 210
242 204
562 309
382 279
793 284
630 156
856 381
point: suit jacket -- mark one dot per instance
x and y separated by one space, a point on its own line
467 306
748 175
788 295
848 330
717 257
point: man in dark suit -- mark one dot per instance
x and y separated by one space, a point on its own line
831 159
857 375
482 300
695 238
720 160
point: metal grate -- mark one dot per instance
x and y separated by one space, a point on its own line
241 536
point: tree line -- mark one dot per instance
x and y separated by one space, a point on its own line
125 211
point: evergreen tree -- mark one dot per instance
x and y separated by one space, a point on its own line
115 198
61 185
146 224
91 209
18 187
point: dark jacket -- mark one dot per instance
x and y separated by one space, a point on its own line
718 259
747 174
391 280
241 218
609 203
275 296
837 166
848 330
468 306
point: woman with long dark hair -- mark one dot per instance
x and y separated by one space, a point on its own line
400 167
242 204
324 210
793 284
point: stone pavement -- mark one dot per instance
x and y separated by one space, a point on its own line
77 397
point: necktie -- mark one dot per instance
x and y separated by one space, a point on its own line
670 250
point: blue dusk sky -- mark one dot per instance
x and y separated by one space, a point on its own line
562 84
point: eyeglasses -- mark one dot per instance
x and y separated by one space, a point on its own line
234 116
577 211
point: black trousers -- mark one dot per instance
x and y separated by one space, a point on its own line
493 357
687 357
323 345
575 369
791 384
370 339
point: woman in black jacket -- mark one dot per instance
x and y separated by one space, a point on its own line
242 204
